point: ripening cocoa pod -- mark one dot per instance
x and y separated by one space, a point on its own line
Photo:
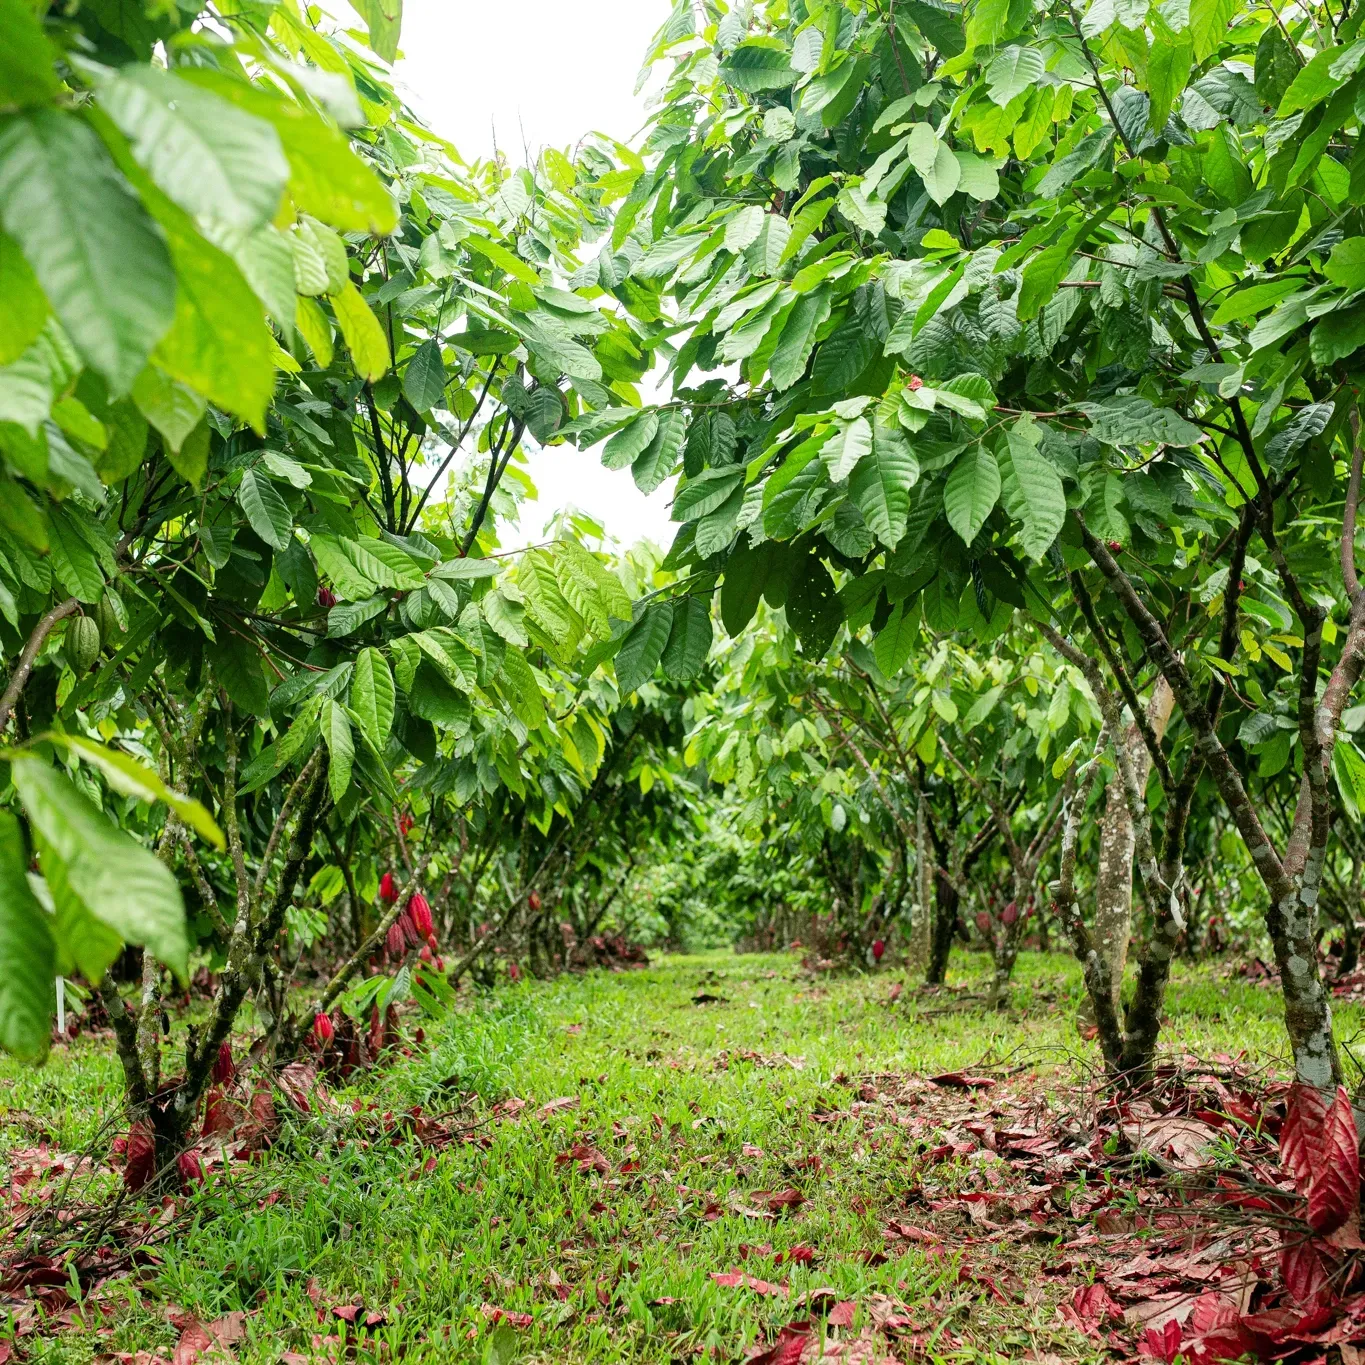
323 1029
878 948
1009 914
397 943
432 944
426 954
983 922
410 935
82 644
223 1067
327 598
388 889
533 900
420 911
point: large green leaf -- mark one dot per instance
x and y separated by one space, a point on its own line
813 608
881 482
759 64
372 696
26 74
336 734
424 376
23 306
117 881
1041 497
27 960
213 159
896 640
327 179
689 640
265 510
972 490
364 336
656 462
103 266
643 647
238 667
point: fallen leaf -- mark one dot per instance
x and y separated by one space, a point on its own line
737 1279
841 1315
960 1080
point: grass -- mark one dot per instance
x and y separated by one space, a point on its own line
695 1108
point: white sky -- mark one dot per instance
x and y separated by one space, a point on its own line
540 72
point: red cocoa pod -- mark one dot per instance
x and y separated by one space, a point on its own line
440 964
878 948
533 900
388 890
141 1156
323 1029
327 598
1009 914
514 971
1115 547
223 1067
410 934
426 954
396 941
405 823
191 1169
432 944
983 922
420 911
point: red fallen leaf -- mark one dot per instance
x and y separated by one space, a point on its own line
895 993
1335 1189
220 1114
790 1348
1306 1269
496 1315
783 1199
1090 1305
1302 1139
737 1279
801 1254
908 1232
587 1157
1215 1331
141 1155
841 1315
1163 1344
960 1080
191 1168
194 1341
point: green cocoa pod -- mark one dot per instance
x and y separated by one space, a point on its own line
82 646
106 618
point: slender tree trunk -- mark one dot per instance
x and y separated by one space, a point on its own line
1118 842
946 902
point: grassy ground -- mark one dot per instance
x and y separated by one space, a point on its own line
697 1110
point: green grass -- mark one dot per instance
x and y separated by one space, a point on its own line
614 1267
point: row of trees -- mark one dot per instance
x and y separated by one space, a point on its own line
1014 406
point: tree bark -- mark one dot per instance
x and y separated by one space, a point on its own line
1118 842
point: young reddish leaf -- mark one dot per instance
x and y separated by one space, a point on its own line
1335 1188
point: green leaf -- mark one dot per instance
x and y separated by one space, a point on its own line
23 305
384 19
131 778
73 562
797 341
1012 71
622 449
1040 494
118 881
26 74
210 157
1168 70
172 408
103 266
1134 420
373 696
972 490
656 462
881 482
896 640
265 510
424 377
814 611
987 23
758 64
364 335
851 442
237 665
326 178
336 735
1346 265
643 647
689 641
27 960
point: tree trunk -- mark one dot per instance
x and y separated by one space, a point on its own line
1118 841
945 926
